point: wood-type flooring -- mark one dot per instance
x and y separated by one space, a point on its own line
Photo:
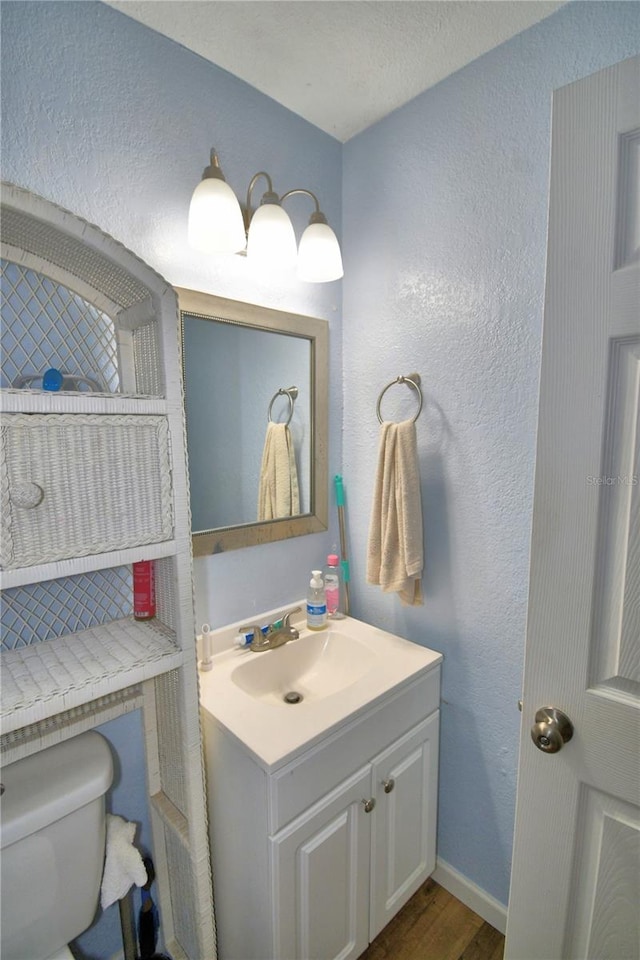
433 925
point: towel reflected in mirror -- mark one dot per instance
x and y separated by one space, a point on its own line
278 490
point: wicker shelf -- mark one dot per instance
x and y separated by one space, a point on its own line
45 679
41 401
97 561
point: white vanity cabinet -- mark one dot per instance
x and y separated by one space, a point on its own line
312 859
346 866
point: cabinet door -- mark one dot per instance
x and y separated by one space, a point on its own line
75 485
320 871
403 854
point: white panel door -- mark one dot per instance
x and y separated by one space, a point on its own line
576 871
405 778
320 869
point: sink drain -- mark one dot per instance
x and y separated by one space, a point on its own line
293 697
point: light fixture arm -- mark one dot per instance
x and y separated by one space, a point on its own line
254 180
213 171
317 216
269 196
319 257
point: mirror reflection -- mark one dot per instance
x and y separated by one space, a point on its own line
255 384
243 464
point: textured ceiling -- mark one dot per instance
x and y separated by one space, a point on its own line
341 64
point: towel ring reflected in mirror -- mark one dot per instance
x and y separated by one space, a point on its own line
413 380
290 393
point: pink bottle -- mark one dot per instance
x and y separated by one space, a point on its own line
332 585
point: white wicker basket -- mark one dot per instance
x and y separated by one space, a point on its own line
108 476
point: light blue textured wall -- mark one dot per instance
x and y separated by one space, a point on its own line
445 215
115 123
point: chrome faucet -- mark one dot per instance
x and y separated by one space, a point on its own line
275 636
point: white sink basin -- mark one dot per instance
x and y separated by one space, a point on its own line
310 668
339 672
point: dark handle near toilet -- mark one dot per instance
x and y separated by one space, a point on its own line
368 804
551 730
388 785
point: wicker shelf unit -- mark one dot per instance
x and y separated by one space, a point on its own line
75 299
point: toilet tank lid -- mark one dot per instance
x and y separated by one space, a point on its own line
48 785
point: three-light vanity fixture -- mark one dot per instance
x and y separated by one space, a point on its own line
217 224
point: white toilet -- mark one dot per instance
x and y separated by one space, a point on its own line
52 831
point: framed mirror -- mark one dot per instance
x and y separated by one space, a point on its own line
256 401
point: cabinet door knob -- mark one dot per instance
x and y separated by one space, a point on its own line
368 804
388 785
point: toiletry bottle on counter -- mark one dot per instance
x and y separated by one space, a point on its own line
316 602
332 586
144 590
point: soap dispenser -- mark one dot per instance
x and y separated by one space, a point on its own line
316 602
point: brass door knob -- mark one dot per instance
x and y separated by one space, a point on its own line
368 804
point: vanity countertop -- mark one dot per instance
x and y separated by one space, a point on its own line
341 672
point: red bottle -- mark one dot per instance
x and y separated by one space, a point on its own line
144 590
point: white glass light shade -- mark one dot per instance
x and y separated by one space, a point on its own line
271 240
215 218
319 257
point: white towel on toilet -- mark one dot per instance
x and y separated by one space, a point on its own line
123 863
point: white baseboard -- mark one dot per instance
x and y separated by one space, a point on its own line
471 895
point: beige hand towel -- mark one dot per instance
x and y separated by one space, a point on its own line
395 553
278 491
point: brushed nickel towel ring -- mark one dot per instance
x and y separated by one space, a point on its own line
290 393
414 382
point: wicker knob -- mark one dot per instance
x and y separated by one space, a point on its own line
26 494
